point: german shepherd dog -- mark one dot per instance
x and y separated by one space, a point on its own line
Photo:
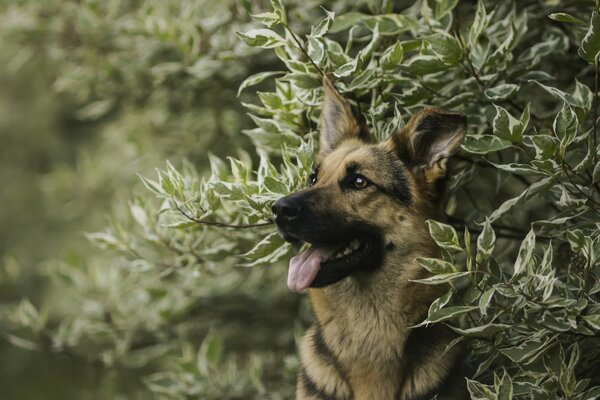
363 216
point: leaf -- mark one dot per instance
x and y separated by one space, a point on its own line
265 247
527 351
501 92
479 391
139 214
484 144
209 354
565 127
483 331
525 253
256 79
484 300
445 47
444 7
347 69
545 146
265 38
425 65
269 19
479 23
436 266
596 173
441 278
559 94
392 56
279 10
564 17
504 387
590 45
444 235
508 127
593 321
95 110
447 313
485 242
323 26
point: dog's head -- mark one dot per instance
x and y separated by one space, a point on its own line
365 200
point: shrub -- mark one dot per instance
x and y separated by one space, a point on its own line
519 230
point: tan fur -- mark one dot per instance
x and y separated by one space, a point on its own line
357 348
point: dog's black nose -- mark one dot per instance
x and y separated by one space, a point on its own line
286 209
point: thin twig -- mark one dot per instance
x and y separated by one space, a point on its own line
221 224
301 48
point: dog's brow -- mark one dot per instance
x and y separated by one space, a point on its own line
352 167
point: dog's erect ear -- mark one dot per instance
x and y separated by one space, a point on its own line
429 138
337 122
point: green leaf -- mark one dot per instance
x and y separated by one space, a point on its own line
445 47
596 173
564 17
323 26
508 127
593 321
545 146
265 247
425 65
484 300
484 144
559 94
436 266
269 19
527 351
441 278
447 313
444 7
265 38
485 242
392 56
479 23
501 92
525 253
479 391
279 10
209 354
590 45
483 331
444 235
256 79
565 127
504 387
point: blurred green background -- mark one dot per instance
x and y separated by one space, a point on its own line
91 94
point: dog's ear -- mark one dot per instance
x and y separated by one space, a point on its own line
429 138
337 122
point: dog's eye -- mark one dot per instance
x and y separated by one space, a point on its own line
360 182
312 179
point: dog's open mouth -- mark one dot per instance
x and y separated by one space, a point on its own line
322 265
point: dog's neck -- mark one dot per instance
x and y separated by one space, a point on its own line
369 317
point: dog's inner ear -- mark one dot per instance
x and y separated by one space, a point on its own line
337 122
429 138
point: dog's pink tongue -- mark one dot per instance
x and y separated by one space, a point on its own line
305 266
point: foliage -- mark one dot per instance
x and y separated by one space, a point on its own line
519 230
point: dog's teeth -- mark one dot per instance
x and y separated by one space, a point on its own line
354 244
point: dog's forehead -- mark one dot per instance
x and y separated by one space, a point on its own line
354 152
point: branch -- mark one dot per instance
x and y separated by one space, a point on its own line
221 224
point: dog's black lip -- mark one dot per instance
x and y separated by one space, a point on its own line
333 271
